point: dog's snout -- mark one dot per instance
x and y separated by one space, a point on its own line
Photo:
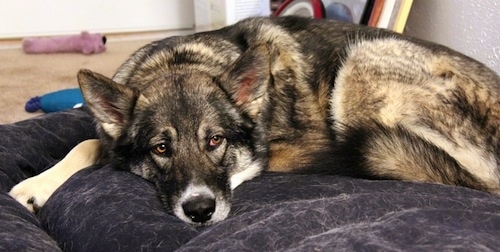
199 209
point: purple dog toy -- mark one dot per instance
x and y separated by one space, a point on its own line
85 43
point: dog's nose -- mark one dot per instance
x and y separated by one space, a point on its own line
199 209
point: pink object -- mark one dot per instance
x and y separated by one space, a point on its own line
85 43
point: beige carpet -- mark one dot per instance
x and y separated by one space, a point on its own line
24 76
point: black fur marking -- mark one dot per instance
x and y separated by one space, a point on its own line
185 57
344 157
350 157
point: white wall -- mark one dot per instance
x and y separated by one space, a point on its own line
23 18
468 26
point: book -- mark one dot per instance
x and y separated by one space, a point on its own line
385 15
402 17
394 15
367 12
375 13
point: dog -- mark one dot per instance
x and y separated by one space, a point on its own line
200 114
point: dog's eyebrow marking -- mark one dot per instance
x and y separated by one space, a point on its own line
169 131
205 129
167 135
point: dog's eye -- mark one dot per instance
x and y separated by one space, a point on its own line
160 149
215 141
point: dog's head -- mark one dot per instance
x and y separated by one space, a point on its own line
190 133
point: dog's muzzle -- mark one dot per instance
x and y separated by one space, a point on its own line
199 208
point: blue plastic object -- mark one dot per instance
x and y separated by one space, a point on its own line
56 101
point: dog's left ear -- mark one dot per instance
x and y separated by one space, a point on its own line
247 80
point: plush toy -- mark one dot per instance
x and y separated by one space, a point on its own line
85 43
56 101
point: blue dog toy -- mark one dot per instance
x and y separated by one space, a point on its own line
56 101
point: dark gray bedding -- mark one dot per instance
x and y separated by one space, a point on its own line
104 209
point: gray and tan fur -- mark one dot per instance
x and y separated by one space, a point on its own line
198 115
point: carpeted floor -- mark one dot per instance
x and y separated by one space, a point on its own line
23 76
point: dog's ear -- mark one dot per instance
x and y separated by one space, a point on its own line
247 80
111 103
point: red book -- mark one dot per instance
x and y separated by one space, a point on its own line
374 16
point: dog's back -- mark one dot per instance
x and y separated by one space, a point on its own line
418 114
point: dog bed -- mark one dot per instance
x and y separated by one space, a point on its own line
104 209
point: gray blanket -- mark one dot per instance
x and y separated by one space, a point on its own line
104 209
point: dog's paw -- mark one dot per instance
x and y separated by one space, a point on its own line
33 192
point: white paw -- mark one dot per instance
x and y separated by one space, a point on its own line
33 192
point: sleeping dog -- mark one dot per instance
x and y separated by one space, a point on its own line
198 115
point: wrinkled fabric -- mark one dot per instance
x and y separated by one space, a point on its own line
105 209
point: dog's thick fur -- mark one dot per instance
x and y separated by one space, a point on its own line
200 114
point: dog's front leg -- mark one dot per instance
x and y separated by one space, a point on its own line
34 192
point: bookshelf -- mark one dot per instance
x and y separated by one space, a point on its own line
387 14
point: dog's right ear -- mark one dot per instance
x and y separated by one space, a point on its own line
111 103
